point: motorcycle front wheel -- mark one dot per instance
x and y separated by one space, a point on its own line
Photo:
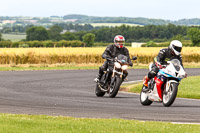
170 96
114 88
144 99
98 91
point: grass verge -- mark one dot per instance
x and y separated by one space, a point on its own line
188 88
21 67
66 66
18 68
72 66
59 124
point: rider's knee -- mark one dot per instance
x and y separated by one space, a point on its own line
103 68
152 74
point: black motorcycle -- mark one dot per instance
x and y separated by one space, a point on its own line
111 80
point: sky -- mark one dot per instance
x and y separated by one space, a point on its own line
157 9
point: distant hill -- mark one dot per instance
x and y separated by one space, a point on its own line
138 20
194 21
74 16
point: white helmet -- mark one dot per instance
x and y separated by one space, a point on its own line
119 41
176 46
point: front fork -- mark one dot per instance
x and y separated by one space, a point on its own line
113 74
169 83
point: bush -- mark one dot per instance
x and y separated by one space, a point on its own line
48 44
75 43
88 39
15 45
5 44
149 44
23 45
34 43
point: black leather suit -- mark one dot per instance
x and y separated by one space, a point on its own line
164 55
110 53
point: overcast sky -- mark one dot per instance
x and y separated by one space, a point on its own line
159 9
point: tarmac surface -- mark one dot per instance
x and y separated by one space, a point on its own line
71 93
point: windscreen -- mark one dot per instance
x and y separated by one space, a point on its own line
122 58
176 64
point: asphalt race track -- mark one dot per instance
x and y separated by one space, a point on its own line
71 93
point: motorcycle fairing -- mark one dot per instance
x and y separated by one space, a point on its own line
159 84
168 75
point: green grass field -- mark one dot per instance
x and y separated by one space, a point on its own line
13 37
11 123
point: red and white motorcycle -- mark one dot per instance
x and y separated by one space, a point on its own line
164 87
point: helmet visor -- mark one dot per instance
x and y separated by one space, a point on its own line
120 42
177 48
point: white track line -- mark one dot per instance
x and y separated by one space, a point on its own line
185 123
130 82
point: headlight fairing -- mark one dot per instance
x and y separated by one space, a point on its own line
124 67
117 65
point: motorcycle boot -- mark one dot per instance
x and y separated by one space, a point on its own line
145 84
124 76
97 79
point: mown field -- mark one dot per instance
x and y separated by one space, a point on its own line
12 123
113 24
13 37
83 55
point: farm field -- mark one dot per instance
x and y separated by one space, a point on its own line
83 55
112 24
13 37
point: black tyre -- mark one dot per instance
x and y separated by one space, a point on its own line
98 91
114 88
170 96
144 99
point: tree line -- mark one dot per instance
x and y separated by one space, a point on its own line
159 33
147 33
106 34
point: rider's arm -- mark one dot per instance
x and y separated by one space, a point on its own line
107 52
128 56
159 60
180 59
160 57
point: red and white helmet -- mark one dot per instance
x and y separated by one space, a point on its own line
119 41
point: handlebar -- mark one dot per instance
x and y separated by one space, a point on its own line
125 63
160 66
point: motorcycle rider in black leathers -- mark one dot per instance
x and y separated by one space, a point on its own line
112 51
166 54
